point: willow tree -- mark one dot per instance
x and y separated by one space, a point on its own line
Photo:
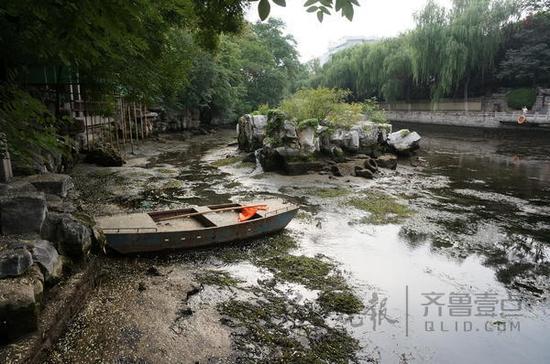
450 47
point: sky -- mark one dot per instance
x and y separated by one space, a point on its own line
374 18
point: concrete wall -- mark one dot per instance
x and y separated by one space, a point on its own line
470 119
441 105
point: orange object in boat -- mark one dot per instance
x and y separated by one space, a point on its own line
248 211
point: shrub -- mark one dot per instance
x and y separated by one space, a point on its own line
374 112
313 103
521 97
262 110
308 123
345 115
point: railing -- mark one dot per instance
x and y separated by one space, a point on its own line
279 210
137 230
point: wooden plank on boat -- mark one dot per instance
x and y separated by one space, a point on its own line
141 221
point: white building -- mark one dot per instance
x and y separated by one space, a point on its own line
343 43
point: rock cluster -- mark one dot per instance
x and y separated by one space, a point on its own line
297 148
38 234
105 155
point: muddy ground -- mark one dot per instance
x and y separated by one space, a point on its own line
347 281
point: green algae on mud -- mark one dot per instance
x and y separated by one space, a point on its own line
218 278
311 272
275 329
332 192
225 161
382 208
343 301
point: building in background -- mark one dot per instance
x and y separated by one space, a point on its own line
344 43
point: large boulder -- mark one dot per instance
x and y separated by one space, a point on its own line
22 213
308 140
251 130
51 183
404 141
14 261
105 155
20 298
73 238
373 133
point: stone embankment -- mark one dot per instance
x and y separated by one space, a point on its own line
297 148
41 236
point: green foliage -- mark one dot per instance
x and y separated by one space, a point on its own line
521 97
319 7
374 112
261 110
527 57
447 52
275 121
27 126
345 115
308 123
315 103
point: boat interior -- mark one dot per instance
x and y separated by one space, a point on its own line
193 218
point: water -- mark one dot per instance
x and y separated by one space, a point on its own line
481 231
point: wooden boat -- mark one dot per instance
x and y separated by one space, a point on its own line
192 227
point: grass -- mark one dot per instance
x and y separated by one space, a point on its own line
225 161
329 192
383 209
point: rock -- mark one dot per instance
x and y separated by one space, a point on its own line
295 168
373 133
105 155
57 204
153 271
251 131
19 304
14 261
72 237
371 165
22 213
288 131
308 140
404 141
16 187
337 153
45 255
387 161
336 171
250 158
52 183
365 173
270 159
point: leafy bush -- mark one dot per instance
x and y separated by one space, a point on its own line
263 109
275 120
27 126
313 103
374 112
521 97
345 115
308 123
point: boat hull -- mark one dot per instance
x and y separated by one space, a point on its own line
149 241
